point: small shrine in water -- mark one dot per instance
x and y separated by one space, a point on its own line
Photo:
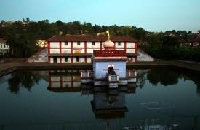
109 67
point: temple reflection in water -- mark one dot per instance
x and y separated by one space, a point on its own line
151 102
70 81
107 104
64 81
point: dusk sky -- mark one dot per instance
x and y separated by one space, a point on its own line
152 15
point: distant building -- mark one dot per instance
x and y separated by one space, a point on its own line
193 42
4 48
79 49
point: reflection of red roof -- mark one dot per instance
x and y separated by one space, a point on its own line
64 89
2 40
90 38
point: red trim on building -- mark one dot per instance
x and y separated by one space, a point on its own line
85 59
60 52
85 39
136 49
72 81
85 47
48 48
71 51
125 45
85 50
100 45
90 38
136 59
109 53
61 82
60 48
60 59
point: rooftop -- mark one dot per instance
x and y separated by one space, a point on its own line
90 38
2 40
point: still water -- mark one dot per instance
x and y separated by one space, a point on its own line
161 98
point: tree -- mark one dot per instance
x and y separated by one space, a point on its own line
139 33
170 41
163 75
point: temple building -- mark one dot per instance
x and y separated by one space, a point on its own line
79 48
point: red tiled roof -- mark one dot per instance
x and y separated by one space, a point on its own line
90 38
2 40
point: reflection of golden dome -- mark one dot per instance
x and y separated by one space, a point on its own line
108 44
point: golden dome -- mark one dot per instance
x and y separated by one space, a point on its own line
108 44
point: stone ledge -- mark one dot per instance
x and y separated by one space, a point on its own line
6 68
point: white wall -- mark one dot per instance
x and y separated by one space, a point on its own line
130 50
69 84
54 44
90 50
77 51
130 45
89 60
55 84
69 60
131 60
66 78
120 49
66 46
51 60
54 51
56 78
89 45
68 51
119 46
78 46
81 60
4 46
76 84
58 60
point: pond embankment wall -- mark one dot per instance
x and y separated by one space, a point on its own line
6 68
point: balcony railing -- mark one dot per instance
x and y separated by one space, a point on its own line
109 53
113 78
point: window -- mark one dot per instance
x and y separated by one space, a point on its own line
66 43
66 59
119 43
78 43
93 43
77 59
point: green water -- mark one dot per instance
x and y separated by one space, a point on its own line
161 97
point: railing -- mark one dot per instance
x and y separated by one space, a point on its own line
109 53
131 73
87 74
113 78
